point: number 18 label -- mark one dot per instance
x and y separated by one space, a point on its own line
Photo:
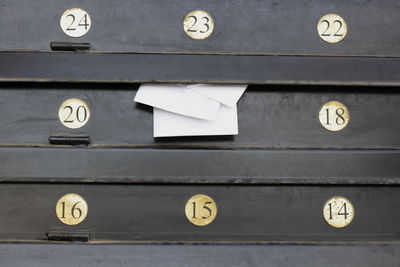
334 116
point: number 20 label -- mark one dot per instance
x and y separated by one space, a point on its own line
75 22
201 210
74 113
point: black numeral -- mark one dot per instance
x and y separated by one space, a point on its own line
85 22
80 114
195 22
345 211
340 120
327 28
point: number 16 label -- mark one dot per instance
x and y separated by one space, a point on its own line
75 22
201 210
71 209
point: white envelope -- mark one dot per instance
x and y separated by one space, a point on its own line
178 99
171 124
226 94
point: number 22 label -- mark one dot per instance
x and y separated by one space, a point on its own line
332 28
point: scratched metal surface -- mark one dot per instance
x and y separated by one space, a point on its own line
65 255
242 27
247 214
269 117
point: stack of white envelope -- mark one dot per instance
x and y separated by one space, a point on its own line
192 109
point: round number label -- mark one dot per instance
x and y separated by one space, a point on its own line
71 209
338 212
198 24
75 22
73 113
201 210
334 116
332 28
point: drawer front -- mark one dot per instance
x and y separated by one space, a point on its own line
244 214
268 118
241 27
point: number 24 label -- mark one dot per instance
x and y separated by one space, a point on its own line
75 22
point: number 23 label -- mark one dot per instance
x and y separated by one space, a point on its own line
198 24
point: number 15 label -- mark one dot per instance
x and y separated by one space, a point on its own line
201 210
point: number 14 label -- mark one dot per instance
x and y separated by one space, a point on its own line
338 212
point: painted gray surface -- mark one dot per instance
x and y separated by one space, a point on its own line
19 255
251 26
245 213
269 117
100 67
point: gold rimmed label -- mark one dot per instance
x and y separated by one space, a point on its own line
334 116
198 24
332 28
71 209
201 210
75 22
74 113
338 212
